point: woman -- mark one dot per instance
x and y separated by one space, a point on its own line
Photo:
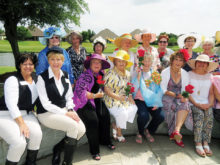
163 51
56 109
90 107
202 100
125 42
52 37
216 89
207 46
147 37
76 52
121 107
175 106
189 41
148 98
17 122
99 45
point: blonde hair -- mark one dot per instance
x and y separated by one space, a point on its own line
55 54
146 56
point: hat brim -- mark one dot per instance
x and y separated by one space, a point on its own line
181 44
212 65
69 38
138 37
129 63
105 64
118 40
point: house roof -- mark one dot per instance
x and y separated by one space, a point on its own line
106 33
36 32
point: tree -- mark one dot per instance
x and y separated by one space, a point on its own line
87 35
38 12
1 31
23 33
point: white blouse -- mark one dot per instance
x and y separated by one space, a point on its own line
46 103
202 85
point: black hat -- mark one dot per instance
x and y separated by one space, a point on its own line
55 49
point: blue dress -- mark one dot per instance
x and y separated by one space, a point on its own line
43 63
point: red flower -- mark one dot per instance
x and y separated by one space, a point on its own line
129 84
99 77
88 57
161 54
116 49
100 81
189 88
141 52
132 90
185 54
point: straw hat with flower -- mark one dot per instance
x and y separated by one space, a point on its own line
128 36
138 37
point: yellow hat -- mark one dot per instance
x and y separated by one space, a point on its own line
128 36
217 37
122 55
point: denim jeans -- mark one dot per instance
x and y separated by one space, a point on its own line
143 117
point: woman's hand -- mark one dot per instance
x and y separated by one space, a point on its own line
154 108
73 115
24 130
121 98
204 106
99 95
130 99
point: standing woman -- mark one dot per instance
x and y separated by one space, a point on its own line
90 107
122 107
99 45
175 106
77 53
163 51
202 100
147 37
189 41
52 37
17 122
56 109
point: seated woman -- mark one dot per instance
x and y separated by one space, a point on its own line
122 107
175 106
56 108
148 98
17 122
202 100
90 107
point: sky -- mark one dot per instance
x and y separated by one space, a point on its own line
171 16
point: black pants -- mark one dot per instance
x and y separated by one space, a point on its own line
97 123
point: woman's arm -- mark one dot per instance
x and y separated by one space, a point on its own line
109 92
211 96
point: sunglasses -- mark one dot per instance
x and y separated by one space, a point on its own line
163 42
55 37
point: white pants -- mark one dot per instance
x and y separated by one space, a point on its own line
64 123
10 132
123 115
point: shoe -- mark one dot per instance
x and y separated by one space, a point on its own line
149 136
200 151
10 163
176 135
121 139
111 146
207 150
58 148
31 157
96 157
69 148
172 136
139 139
180 143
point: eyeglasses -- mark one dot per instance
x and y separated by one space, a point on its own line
163 42
54 37
27 65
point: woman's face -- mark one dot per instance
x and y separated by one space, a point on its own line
207 47
27 67
147 64
146 38
177 63
96 65
125 44
163 43
54 41
98 49
202 66
189 43
120 64
75 41
55 62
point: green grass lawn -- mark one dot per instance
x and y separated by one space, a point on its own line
5 69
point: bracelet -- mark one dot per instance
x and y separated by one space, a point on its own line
70 110
93 96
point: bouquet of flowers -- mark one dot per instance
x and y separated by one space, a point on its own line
155 77
129 89
188 90
100 81
140 57
161 55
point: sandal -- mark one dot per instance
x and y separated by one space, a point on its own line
207 150
179 143
114 133
111 146
200 151
138 139
96 157
177 136
149 136
121 139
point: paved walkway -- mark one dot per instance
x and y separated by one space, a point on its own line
161 152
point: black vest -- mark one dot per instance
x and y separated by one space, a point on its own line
52 91
25 97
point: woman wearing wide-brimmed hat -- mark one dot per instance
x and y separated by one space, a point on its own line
52 37
90 107
147 37
122 107
189 41
76 52
202 100
125 42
